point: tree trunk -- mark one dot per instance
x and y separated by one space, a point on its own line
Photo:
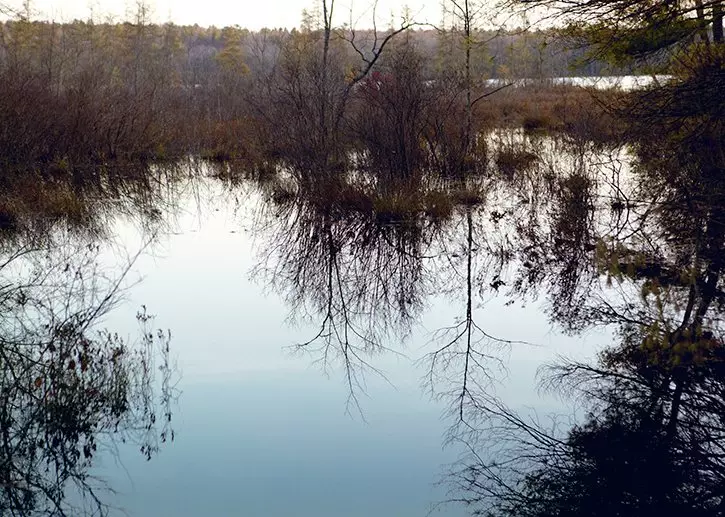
324 87
702 31
469 106
717 22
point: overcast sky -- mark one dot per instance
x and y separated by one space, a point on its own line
252 14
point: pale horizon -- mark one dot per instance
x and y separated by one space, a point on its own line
251 15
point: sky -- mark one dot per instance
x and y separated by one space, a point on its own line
252 14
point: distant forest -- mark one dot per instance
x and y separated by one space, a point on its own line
199 55
95 91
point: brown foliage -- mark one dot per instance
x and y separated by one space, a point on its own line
582 113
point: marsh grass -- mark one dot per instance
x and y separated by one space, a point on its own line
398 203
510 160
582 113
83 199
29 197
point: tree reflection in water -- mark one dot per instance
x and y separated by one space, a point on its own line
357 274
628 239
651 441
631 240
69 390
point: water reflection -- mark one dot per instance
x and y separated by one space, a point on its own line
70 390
631 241
37 202
651 438
355 271
628 238
364 255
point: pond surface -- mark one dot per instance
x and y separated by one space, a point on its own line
207 338
264 431
623 82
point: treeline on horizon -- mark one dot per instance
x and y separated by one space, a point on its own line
85 92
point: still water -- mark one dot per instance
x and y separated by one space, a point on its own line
336 338
260 430
623 82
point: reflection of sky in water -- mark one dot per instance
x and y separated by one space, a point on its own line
262 432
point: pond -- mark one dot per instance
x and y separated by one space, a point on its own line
356 347
602 82
273 432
